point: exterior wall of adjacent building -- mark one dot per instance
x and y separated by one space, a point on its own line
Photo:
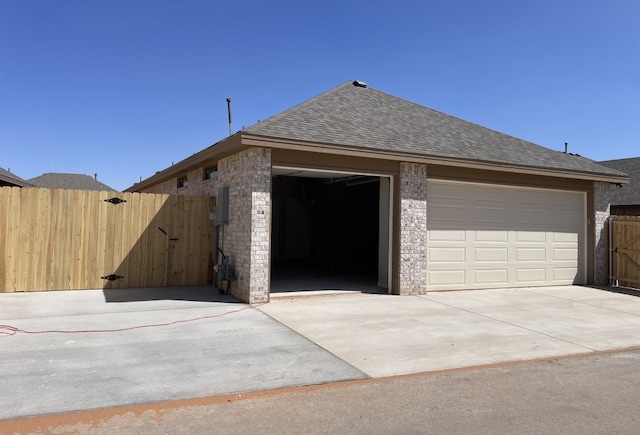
625 210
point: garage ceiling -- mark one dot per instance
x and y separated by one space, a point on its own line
307 173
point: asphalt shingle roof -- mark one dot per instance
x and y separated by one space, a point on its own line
55 180
628 194
11 179
360 117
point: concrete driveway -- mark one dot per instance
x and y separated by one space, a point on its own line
385 335
217 346
177 343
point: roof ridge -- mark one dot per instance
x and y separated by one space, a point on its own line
292 110
371 119
620 160
66 180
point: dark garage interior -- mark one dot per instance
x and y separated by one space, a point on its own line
325 233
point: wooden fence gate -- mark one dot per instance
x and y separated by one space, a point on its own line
55 239
625 250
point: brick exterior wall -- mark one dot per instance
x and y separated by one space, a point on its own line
258 174
413 229
197 185
246 238
601 201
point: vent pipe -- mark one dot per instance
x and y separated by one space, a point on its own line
229 113
566 147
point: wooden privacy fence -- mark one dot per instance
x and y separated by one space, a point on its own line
55 239
625 250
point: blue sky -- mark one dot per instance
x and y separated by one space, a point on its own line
125 88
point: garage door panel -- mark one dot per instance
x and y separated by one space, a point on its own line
446 255
482 192
491 277
568 274
450 191
534 197
444 278
491 215
562 237
565 254
565 218
531 275
531 254
526 217
449 213
531 236
447 236
505 236
564 202
487 255
491 236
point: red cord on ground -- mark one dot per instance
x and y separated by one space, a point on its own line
8 330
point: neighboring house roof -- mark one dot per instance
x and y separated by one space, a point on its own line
628 194
9 179
363 117
55 180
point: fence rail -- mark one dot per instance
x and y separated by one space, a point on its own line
625 250
55 239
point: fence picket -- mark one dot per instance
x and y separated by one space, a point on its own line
54 239
626 244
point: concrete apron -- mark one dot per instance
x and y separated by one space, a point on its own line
385 335
202 345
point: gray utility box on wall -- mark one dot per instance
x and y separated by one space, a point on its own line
222 206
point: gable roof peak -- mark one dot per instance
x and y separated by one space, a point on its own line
63 180
365 118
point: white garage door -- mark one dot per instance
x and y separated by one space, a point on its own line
482 236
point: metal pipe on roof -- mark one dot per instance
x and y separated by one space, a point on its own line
229 113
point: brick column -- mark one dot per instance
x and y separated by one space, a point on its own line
413 229
601 201
260 227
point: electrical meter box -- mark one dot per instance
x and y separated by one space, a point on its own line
222 206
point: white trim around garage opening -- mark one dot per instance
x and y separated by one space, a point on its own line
384 255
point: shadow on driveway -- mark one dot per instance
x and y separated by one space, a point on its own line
622 290
191 293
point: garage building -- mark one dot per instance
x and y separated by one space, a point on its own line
356 189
